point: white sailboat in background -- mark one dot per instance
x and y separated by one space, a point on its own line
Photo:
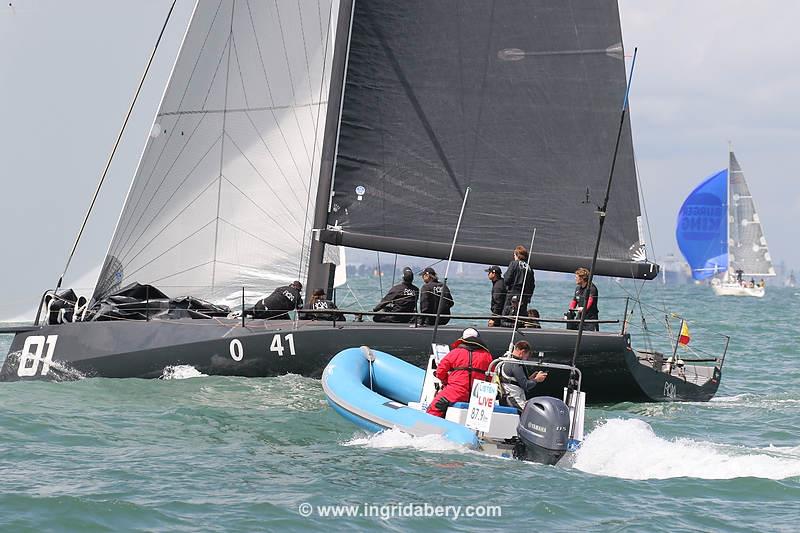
720 235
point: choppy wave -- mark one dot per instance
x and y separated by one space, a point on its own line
630 449
181 372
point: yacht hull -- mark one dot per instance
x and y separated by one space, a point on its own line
734 289
142 349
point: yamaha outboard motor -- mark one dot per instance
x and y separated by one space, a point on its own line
543 430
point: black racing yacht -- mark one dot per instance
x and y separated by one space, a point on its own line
289 130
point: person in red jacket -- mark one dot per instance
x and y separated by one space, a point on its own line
467 362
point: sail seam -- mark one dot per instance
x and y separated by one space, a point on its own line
175 128
207 224
272 99
277 223
291 79
235 226
264 180
123 244
222 147
242 109
129 260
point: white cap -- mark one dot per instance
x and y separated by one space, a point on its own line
469 333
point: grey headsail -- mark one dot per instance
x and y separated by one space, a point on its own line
519 100
747 246
224 193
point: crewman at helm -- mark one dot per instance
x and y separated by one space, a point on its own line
467 362
516 387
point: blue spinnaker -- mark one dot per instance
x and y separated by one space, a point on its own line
702 230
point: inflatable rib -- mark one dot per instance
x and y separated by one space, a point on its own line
372 389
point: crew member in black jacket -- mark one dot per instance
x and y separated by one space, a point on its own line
498 293
402 298
432 291
319 302
515 274
278 304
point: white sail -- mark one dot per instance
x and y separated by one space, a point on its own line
223 197
747 246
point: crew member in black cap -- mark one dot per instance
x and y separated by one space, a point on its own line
402 298
278 304
498 293
431 292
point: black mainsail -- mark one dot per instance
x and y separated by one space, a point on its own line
518 100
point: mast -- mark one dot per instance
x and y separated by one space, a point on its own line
320 275
729 213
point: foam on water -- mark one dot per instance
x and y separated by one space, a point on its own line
394 438
755 401
181 372
630 449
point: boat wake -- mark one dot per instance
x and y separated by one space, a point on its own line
181 372
394 438
630 449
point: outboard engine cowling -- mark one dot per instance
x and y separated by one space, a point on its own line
543 430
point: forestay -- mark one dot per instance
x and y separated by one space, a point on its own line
224 192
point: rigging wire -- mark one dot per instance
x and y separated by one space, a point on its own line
116 144
602 216
380 275
447 268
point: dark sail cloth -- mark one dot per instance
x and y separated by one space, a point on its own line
320 305
278 304
498 297
402 298
513 282
582 294
429 297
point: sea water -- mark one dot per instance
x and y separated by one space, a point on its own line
205 453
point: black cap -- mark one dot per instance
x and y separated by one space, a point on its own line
495 269
429 270
408 274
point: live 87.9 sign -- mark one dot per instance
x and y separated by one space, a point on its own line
481 405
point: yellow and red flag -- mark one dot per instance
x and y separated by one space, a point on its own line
684 337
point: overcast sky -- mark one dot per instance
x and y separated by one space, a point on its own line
708 72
